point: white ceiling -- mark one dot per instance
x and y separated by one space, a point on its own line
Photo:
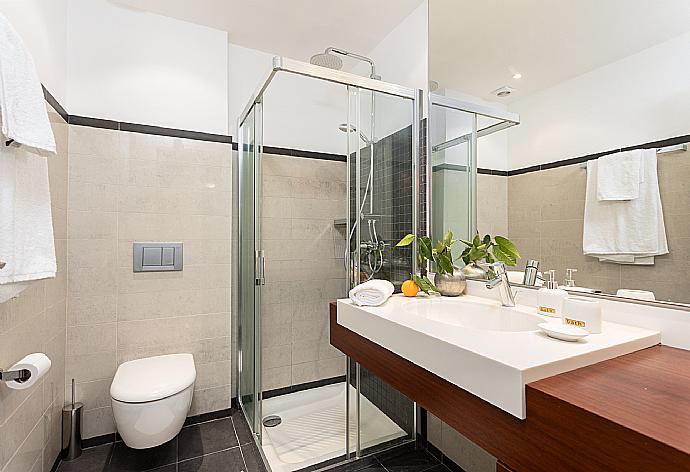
293 28
476 46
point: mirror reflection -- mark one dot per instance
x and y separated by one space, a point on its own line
594 180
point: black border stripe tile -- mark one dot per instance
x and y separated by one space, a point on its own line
175 133
303 386
579 160
99 440
52 101
481 170
204 417
93 122
302 153
524 170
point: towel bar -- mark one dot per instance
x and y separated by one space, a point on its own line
662 150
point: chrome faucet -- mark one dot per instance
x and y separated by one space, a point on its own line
500 280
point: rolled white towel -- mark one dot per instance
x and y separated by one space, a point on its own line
371 293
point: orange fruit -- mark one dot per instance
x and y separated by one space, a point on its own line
410 288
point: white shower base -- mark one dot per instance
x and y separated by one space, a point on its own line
313 427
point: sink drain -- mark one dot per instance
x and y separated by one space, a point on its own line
272 421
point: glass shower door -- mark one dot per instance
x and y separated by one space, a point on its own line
382 156
251 267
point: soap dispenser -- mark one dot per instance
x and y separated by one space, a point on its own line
551 297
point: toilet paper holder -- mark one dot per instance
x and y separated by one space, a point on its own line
20 375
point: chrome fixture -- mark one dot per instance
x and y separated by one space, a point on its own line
531 273
328 59
500 280
352 129
662 150
569 280
20 375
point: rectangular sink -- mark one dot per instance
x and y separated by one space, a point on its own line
489 350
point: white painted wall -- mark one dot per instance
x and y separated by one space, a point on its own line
42 24
304 113
134 66
641 98
299 113
402 57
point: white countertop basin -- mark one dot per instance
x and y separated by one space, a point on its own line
487 349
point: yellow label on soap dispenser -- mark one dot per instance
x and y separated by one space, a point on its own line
546 309
573 322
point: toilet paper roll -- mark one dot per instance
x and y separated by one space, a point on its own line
37 363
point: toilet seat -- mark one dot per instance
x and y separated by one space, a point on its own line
153 378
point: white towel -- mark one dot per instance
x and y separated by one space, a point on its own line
26 226
22 105
619 176
627 231
371 293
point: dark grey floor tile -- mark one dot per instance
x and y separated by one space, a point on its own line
442 468
408 459
204 438
225 461
244 434
366 464
252 458
93 459
126 459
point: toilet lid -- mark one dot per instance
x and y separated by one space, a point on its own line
153 378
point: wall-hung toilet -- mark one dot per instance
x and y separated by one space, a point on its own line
151 398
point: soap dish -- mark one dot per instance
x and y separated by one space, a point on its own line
563 332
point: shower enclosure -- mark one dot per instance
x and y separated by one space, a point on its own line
458 131
312 225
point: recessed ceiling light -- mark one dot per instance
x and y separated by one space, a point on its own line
517 75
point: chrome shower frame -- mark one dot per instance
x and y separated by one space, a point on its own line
284 65
506 119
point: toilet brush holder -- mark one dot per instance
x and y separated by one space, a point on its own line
71 429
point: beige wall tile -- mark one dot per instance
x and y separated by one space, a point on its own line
210 399
89 339
35 322
98 422
545 220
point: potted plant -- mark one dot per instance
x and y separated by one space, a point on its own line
490 250
447 281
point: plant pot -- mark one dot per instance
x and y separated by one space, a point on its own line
474 271
450 285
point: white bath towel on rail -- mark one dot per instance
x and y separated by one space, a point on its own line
27 246
627 231
372 293
22 106
619 175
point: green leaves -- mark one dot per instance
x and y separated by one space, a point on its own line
406 241
490 249
479 248
505 251
424 284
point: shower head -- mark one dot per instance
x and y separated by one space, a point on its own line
326 59
329 58
352 129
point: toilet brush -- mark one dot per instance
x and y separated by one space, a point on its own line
71 428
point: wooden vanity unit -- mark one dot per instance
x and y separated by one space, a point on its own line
630 413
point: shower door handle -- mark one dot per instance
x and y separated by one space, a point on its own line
260 268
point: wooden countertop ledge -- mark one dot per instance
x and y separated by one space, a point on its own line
647 391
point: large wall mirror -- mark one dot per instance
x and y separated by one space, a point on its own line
596 175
